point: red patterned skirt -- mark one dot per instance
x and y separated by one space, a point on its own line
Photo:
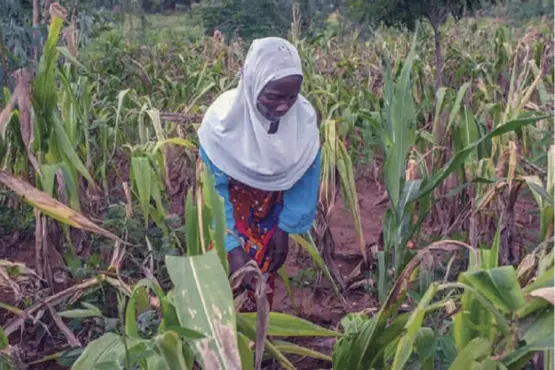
256 213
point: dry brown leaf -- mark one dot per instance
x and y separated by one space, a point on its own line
70 337
546 293
23 96
51 207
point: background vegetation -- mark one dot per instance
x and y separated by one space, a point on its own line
444 107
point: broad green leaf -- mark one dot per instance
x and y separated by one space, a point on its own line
541 328
425 343
133 305
3 340
440 96
218 224
410 192
154 115
171 347
249 330
109 348
191 226
499 285
47 178
476 350
468 130
412 327
284 325
141 173
496 244
64 145
43 89
403 132
517 359
457 105
121 99
185 333
204 303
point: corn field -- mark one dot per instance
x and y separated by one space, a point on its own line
433 242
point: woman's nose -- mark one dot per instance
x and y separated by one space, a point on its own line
282 108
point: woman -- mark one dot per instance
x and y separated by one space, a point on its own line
261 143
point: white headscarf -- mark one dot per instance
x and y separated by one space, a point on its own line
234 134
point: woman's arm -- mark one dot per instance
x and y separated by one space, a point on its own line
221 181
299 202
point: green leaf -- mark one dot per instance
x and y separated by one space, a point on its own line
284 325
282 272
204 303
517 359
247 356
67 54
457 105
538 191
175 141
314 254
403 129
171 347
132 305
81 313
413 326
219 227
47 178
4 343
440 96
64 145
186 333
249 330
141 174
433 181
477 349
425 343
109 348
499 285
494 251
287 347
121 99
541 328
43 89
191 226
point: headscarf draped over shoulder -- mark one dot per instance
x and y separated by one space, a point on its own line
234 134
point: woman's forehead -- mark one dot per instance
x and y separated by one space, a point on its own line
285 85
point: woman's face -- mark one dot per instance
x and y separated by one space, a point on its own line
278 97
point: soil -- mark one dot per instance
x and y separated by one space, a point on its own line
314 299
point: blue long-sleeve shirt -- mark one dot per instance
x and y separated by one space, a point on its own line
299 202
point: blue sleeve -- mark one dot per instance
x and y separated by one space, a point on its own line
221 181
299 202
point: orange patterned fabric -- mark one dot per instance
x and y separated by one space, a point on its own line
256 214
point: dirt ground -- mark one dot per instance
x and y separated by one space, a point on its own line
313 300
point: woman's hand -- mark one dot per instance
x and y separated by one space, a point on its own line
278 249
237 259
